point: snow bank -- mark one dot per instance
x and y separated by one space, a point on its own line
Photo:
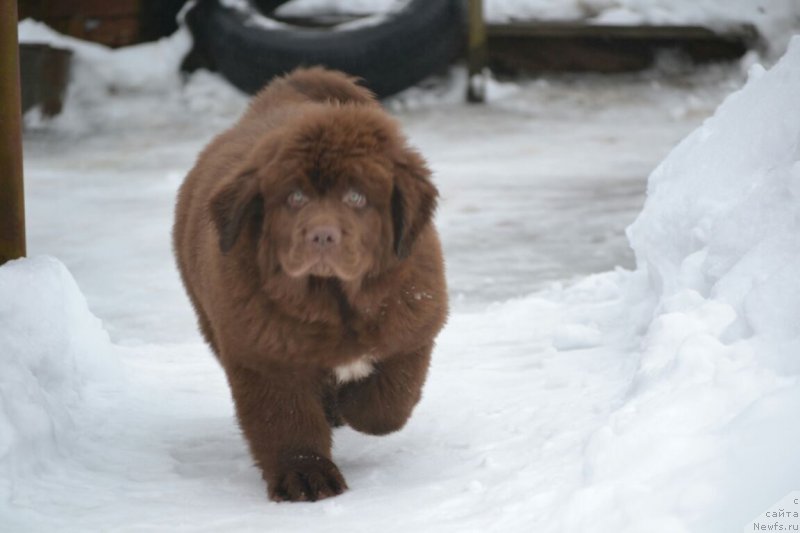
152 67
138 86
707 437
53 353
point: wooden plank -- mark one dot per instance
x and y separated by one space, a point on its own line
113 23
114 32
53 9
567 30
565 47
512 56
12 199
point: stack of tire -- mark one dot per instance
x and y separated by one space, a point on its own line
390 54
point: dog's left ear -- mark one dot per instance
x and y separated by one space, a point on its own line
413 200
236 202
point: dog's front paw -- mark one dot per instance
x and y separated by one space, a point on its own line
305 477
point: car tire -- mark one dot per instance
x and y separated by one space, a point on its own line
389 53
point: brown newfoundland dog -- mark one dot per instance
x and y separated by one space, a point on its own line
304 239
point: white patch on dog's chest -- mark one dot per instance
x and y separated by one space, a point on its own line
354 371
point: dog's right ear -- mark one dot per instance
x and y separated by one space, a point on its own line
234 204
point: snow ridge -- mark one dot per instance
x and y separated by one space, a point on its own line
54 355
718 249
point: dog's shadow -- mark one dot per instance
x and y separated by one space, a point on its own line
214 451
210 448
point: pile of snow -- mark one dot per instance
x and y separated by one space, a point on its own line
705 439
138 85
151 67
54 354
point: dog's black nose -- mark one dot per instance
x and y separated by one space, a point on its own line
323 237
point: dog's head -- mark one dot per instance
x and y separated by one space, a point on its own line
336 193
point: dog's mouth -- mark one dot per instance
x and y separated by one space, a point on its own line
321 265
323 269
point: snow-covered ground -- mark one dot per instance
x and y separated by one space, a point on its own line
659 397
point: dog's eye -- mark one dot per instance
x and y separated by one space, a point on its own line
353 198
297 199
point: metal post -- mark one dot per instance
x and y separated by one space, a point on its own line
12 200
476 53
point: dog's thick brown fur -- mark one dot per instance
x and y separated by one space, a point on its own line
304 239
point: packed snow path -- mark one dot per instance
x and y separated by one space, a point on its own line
617 404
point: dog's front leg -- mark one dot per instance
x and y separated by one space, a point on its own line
281 413
383 401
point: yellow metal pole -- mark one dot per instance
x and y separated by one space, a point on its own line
12 200
476 53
